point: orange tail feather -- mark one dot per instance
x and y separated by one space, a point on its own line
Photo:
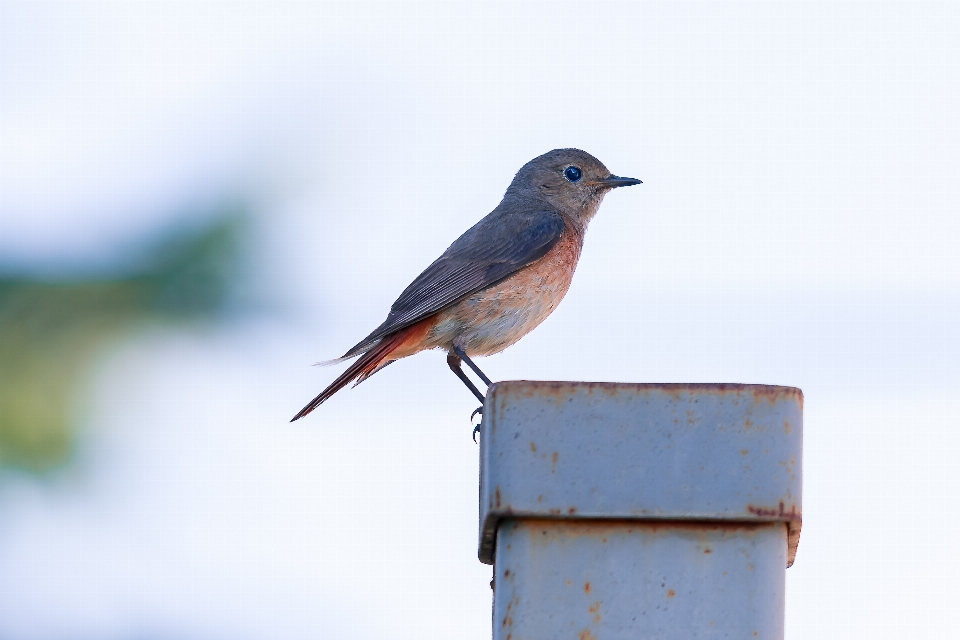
372 361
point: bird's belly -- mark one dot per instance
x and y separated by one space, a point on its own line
491 320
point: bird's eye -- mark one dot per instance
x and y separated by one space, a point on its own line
573 174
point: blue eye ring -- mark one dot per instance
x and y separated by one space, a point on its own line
573 174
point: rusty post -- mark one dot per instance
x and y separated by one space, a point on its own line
639 510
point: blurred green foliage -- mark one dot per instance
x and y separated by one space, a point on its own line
51 331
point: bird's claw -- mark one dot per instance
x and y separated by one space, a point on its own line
476 429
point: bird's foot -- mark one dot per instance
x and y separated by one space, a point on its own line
476 429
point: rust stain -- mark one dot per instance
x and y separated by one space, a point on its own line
671 593
691 417
708 550
572 510
787 427
744 452
773 394
533 446
793 541
556 456
540 498
508 618
778 512
586 587
595 610
506 574
586 635
498 496
748 424
601 528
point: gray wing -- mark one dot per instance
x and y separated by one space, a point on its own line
495 248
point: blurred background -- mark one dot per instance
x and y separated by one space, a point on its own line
198 201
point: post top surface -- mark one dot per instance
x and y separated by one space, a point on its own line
590 450
563 388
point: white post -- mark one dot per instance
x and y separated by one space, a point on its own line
639 510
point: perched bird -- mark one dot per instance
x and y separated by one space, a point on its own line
499 280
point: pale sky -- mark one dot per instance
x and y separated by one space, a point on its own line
797 225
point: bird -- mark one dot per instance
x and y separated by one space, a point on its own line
498 280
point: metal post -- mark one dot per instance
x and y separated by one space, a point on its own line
639 510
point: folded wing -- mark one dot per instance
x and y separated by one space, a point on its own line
495 248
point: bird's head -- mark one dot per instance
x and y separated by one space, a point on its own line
571 180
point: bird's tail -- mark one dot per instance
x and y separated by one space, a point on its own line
328 363
369 363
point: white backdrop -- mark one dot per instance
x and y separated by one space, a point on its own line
797 225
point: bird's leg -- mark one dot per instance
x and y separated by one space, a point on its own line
463 356
453 361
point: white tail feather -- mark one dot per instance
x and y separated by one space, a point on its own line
327 363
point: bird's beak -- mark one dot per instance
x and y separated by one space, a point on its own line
611 182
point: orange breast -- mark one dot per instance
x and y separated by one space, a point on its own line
495 318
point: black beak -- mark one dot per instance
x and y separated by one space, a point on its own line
616 181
